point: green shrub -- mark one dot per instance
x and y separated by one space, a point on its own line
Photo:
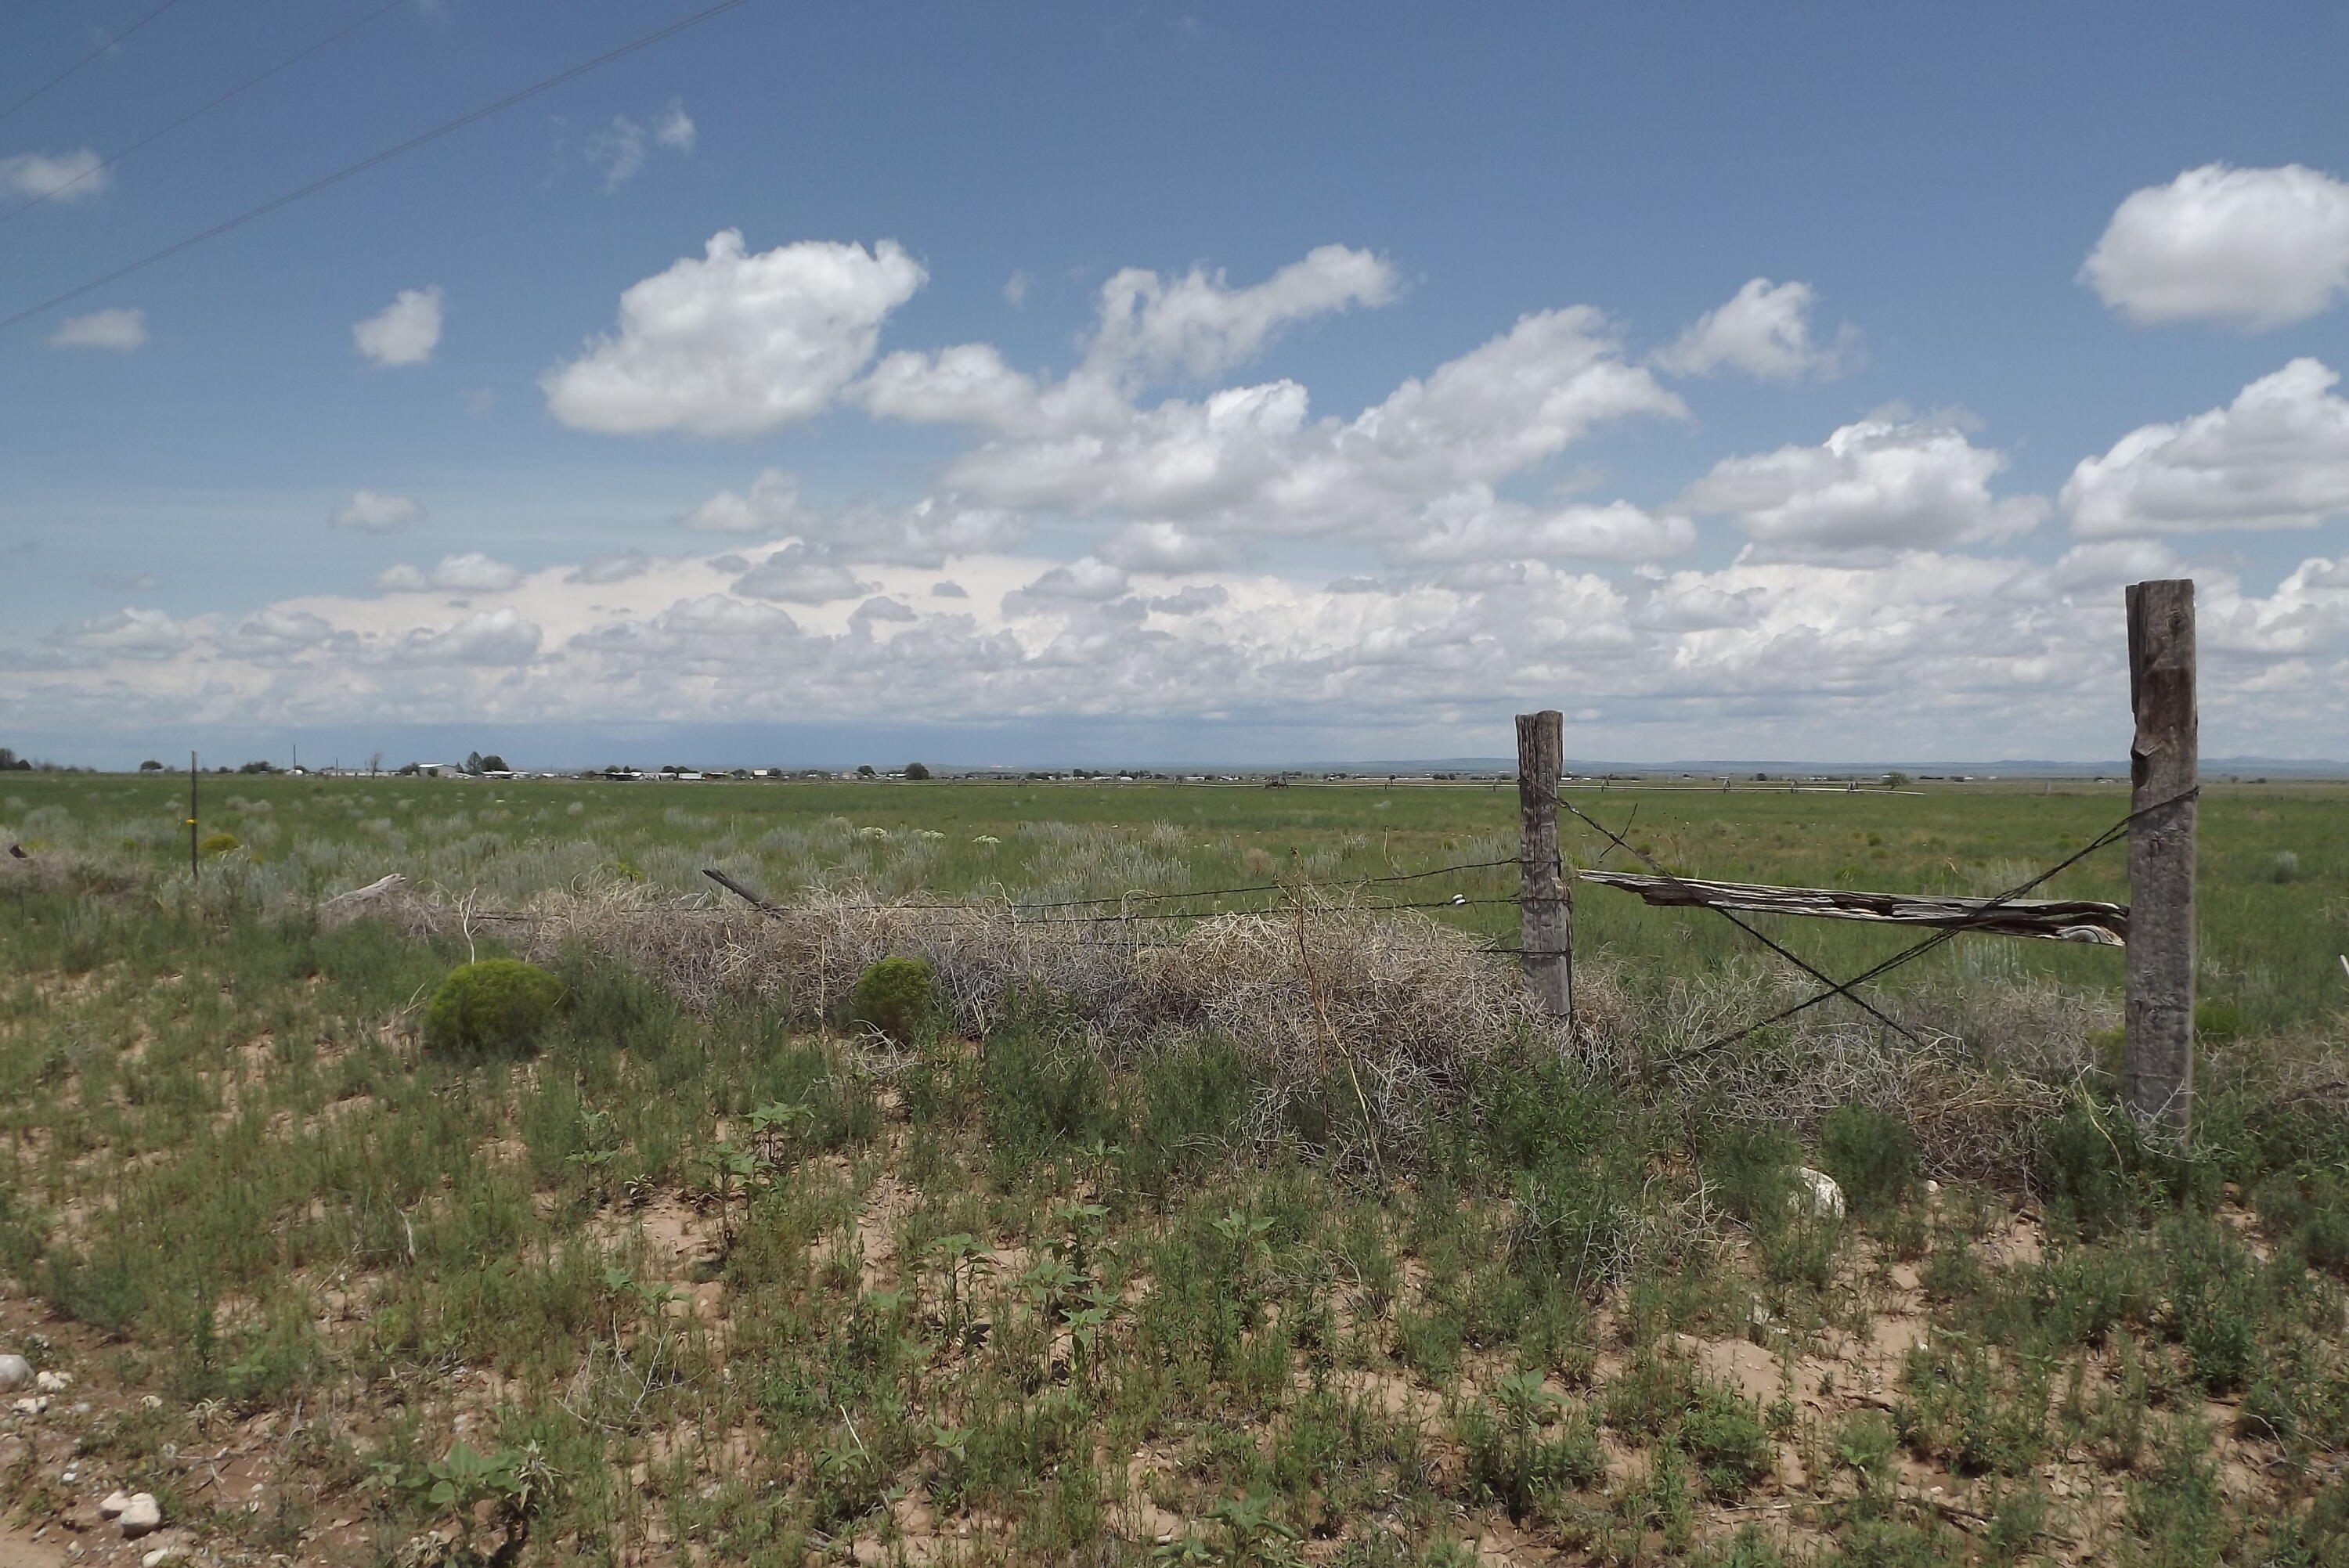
2217 1021
1753 1169
1574 1221
2099 1173
1511 1457
1044 1093
1722 1432
2318 1538
2177 1511
1873 1157
1185 1105
494 1003
897 996
218 843
1980 1412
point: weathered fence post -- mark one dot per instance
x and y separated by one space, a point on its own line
2157 1049
1545 907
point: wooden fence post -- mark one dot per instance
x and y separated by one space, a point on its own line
2157 1049
1545 907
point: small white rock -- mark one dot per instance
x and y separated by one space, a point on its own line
150 1401
54 1382
1932 1189
31 1405
161 1555
142 1516
1816 1194
112 1505
14 1373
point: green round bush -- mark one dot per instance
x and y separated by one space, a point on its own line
896 996
1872 1155
495 1002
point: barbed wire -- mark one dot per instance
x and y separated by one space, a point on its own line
1309 911
2110 836
1141 896
1298 907
1779 948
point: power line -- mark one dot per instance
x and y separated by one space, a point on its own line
86 59
364 164
250 82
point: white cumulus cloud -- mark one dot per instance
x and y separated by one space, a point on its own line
1251 460
131 633
926 534
969 384
468 573
735 342
404 332
772 502
674 128
371 512
1877 485
799 575
119 328
493 637
276 631
620 150
616 567
1197 325
2252 248
617 152
1473 525
1084 582
77 176
710 630
1157 546
1764 330
2277 456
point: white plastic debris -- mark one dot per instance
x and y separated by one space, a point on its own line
1816 1194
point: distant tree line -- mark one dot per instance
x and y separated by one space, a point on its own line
12 763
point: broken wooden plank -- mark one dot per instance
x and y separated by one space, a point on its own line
2055 919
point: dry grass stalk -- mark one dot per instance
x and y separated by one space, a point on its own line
1406 1007
1383 1008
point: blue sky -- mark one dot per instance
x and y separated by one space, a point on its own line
1312 209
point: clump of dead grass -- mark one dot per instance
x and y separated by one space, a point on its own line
1991 1059
1400 1009
1393 1012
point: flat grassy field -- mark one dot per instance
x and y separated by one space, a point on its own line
2275 875
1250 1241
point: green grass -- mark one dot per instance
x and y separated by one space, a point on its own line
2269 944
1039 1297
